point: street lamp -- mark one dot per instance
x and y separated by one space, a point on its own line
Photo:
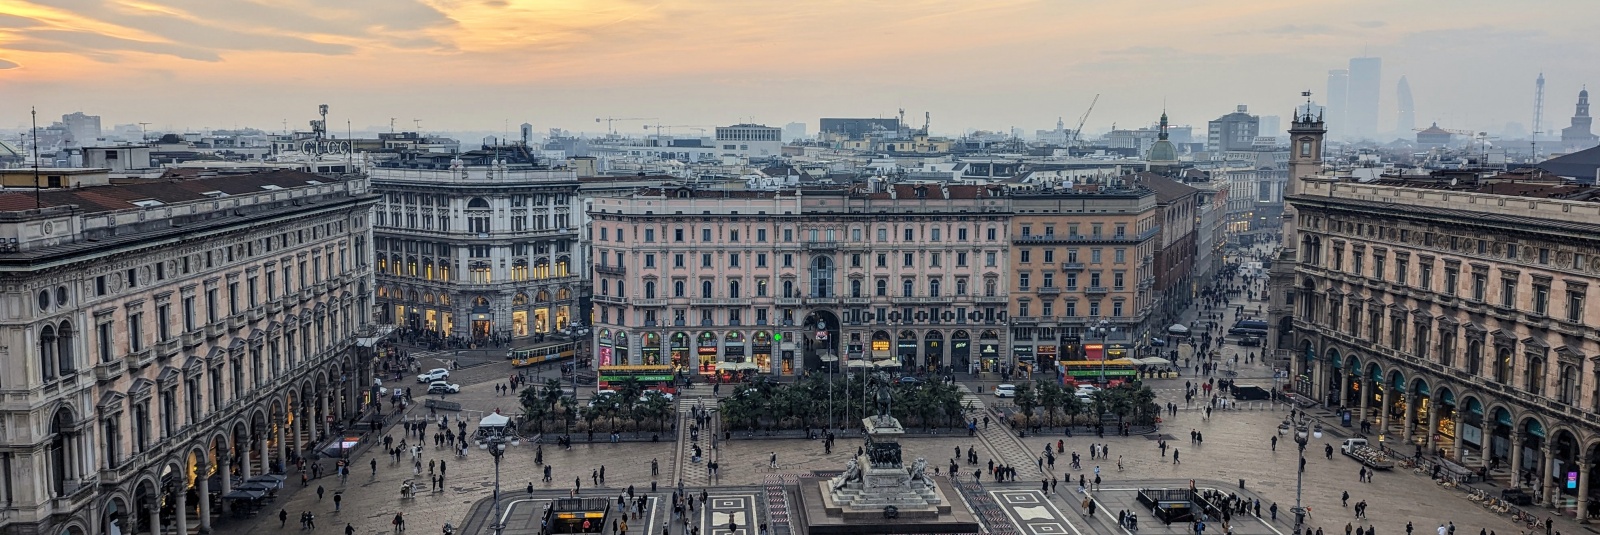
496 445
1104 329
1302 436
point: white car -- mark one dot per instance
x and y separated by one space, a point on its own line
1005 391
443 387
436 374
646 396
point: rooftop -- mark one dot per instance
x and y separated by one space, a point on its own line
139 193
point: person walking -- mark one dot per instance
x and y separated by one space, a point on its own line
319 493
338 497
374 465
283 518
399 522
772 462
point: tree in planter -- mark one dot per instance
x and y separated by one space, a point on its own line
1072 405
569 411
1050 399
1026 400
1099 405
629 391
534 409
654 406
551 392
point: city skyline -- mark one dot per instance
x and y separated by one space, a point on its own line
473 65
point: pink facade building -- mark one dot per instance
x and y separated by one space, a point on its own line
780 281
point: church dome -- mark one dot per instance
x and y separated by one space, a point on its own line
1163 151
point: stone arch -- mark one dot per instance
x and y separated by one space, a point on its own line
115 509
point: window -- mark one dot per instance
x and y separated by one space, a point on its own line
761 259
163 322
1400 271
649 260
992 234
883 288
1027 231
733 260
909 259
1022 281
1452 280
933 259
905 287
103 339
761 235
1575 306
855 260
1541 299
961 259
788 260
1048 280
1094 256
677 288
705 260
1508 293
883 234
677 260
135 332
733 236
705 234
1121 256
883 260
1022 308
1425 276
933 234
989 259
961 234
1480 286
1378 265
910 235
649 235
677 234
705 289
855 288
761 287
961 286
1024 256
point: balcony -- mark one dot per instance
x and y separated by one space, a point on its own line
1049 290
274 307
942 300
610 299
167 348
193 338
236 321
1096 290
992 299
649 302
787 301
719 302
1025 319
107 371
857 300
1072 266
216 329
255 313
610 270
822 245
76 494
137 360
822 300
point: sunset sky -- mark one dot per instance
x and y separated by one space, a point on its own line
993 64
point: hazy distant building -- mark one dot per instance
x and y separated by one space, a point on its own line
794 132
1338 97
1059 136
1406 120
83 129
750 140
858 128
1234 131
1269 126
1361 107
1434 137
1579 136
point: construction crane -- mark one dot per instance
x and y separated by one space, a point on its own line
701 128
1077 133
610 120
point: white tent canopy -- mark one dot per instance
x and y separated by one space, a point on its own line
494 420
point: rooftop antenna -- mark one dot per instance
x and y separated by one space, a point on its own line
35 113
143 135
1538 113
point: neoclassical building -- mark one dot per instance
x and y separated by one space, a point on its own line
478 251
1452 312
162 335
780 281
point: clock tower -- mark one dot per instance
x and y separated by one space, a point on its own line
1306 135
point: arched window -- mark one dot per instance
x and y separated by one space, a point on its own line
855 288
883 288
733 288
478 203
933 288
705 289
677 289
1567 389
621 292
605 286
1502 365
788 288
649 289
1474 357
1534 378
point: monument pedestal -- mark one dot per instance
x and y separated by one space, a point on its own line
877 493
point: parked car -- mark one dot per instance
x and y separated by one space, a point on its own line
443 387
646 396
1250 341
908 379
436 374
1005 391
601 395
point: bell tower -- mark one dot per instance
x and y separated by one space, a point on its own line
1306 135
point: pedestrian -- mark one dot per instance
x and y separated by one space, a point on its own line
1441 529
319 494
374 464
399 522
1344 499
349 529
1175 456
772 462
337 498
1408 528
283 518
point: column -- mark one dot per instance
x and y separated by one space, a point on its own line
283 444
1383 410
155 515
1549 475
1366 397
182 510
1583 492
299 442
1516 460
1432 431
205 498
266 456
1459 455
244 460
1344 388
327 413
1406 426
225 469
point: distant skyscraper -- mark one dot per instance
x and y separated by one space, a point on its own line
1270 125
83 128
1338 96
1407 119
1361 109
1234 131
794 132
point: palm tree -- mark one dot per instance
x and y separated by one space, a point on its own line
1072 405
569 411
654 406
1050 398
533 409
551 392
1026 400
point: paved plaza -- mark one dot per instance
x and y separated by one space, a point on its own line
1236 446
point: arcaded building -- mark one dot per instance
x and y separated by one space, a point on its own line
164 335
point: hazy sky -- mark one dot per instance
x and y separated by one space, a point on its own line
990 64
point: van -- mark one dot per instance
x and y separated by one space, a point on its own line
1249 328
1005 391
1243 392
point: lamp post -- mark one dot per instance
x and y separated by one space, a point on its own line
1103 329
1302 436
496 445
